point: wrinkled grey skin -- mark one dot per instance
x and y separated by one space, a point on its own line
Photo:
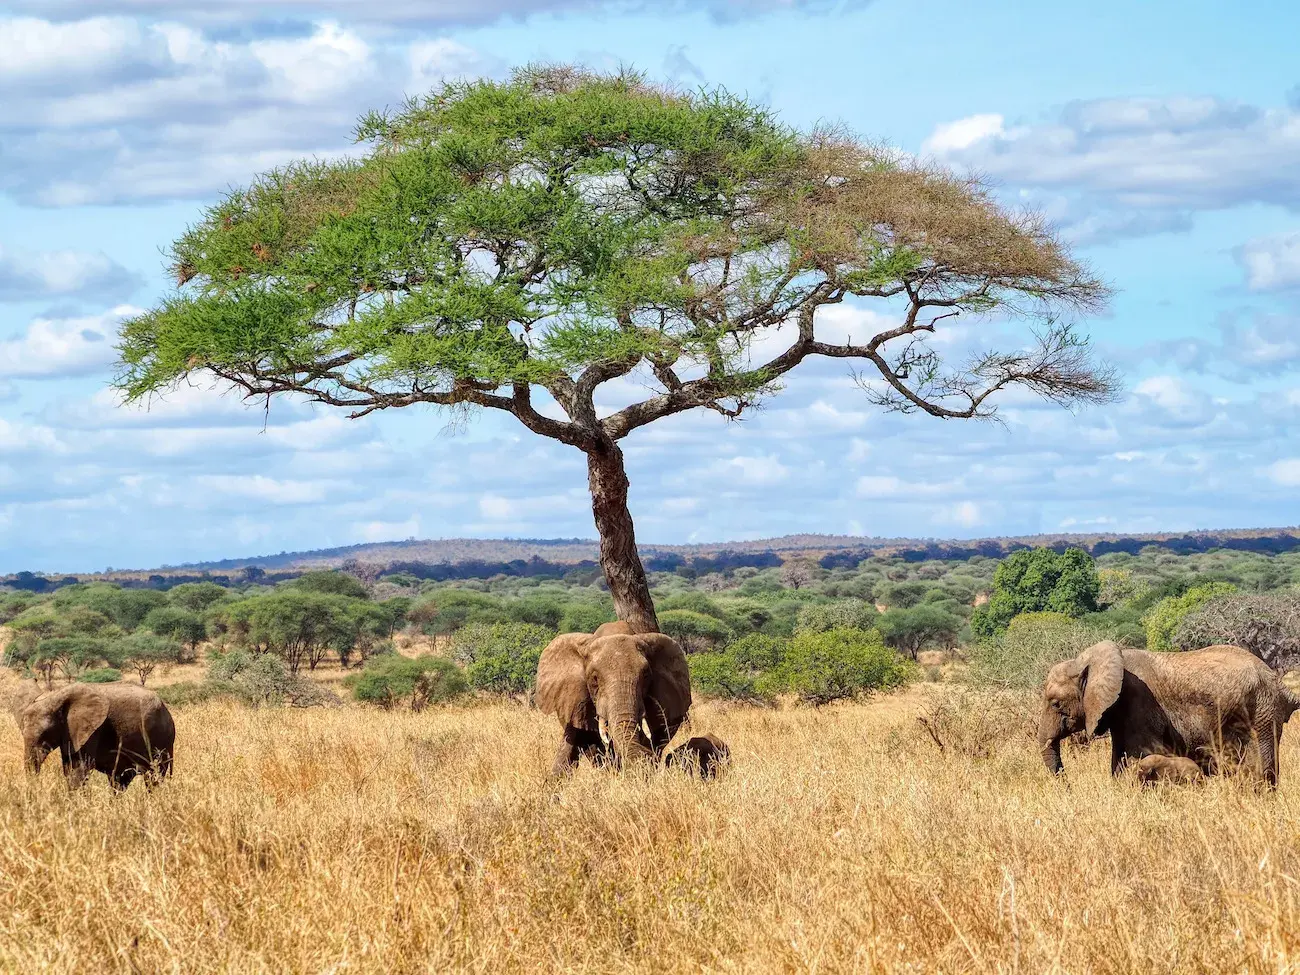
702 754
1207 705
615 681
1155 769
122 730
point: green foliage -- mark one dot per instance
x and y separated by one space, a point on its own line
719 675
694 631
1022 655
299 624
331 583
177 623
1034 580
900 595
101 675
1164 617
444 611
142 652
257 679
584 618
125 607
844 614
392 680
758 651
841 664
197 597
544 611
501 657
922 625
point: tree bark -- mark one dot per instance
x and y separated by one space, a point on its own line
619 559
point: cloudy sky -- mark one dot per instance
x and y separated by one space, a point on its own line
1163 138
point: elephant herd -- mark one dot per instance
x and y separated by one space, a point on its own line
622 696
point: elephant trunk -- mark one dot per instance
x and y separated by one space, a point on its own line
34 757
1050 734
627 738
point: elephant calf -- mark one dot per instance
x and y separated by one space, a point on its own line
1168 768
1195 705
702 754
122 730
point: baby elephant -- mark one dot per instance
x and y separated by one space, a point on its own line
703 754
1168 768
122 730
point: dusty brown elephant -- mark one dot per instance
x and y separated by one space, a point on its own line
122 730
703 754
1199 705
619 679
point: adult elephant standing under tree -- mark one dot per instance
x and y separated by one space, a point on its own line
617 679
563 229
1199 704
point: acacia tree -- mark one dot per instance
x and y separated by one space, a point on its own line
515 245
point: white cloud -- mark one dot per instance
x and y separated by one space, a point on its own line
964 514
260 489
386 531
1136 165
760 470
1285 472
59 347
62 274
1272 262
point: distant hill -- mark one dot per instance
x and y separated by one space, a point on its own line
467 558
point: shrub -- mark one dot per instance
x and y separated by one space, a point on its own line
1164 617
177 623
188 692
696 632
330 583
1268 625
501 657
1032 643
900 595
389 681
584 618
101 675
197 597
719 675
845 614
840 664
758 651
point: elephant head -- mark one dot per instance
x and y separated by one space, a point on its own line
62 719
617 679
1076 696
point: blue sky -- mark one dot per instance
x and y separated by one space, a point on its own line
1162 138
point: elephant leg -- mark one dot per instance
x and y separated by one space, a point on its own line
1118 755
122 778
566 757
1268 737
76 773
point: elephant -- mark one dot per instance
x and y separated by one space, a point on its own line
702 754
1195 704
120 729
1168 768
615 678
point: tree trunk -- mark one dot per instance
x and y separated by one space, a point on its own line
622 566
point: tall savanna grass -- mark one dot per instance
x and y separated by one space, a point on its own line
847 838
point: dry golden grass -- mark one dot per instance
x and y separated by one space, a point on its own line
840 840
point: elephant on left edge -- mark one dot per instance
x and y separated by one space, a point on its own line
122 730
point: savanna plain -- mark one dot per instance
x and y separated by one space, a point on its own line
913 832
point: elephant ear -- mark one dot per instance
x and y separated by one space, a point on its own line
84 709
562 677
1102 676
670 678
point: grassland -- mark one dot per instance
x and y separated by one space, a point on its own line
844 839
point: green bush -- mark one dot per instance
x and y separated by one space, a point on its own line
718 675
501 657
918 627
177 623
1163 618
696 632
584 618
758 651
142 652
840 664
197 597
842 615
101 675
330 583
1036 580
188 692
1032 643
392 680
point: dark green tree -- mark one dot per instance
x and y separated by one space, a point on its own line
504 241
924 625
1039 580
